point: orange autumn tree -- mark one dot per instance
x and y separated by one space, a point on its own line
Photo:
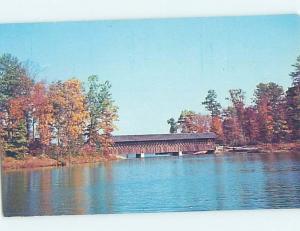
42 113
237 98
251 125
231 127
234 118
15 111
270 102
217 127
69 113
266 121
75 112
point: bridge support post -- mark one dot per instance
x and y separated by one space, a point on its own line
179 153
140 155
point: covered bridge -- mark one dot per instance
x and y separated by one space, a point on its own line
177 143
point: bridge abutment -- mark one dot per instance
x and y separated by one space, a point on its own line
140 155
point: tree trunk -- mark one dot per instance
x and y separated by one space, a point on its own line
27 124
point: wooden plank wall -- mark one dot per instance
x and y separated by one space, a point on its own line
163 146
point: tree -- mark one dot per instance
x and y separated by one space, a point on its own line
69 112
217 127
16 129
12 78
270 102
109 114
3 135
102 114
18 145
75 112
15 86
42 113
214 107
232 128
211 103
296 74
190 122
293 111
237 98
94 109
59 104
184 121
32 114
282 131
251 125
173 125
293 101
236 112
266 121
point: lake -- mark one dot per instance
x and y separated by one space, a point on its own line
156 184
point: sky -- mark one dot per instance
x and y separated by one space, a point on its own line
159 67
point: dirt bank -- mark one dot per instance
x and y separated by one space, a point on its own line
265 148
45 161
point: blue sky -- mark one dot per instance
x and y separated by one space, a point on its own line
159 67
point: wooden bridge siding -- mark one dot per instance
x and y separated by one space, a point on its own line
163 146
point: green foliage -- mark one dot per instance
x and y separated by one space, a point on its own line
232 130
94 100
237 98
57 111
17 147
271 92
211 103
173 125
270 102
60 111
191 122
13 78
293 110
296 74
182 126
14 84
186 113
102 112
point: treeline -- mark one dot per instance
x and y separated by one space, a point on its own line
274 115
55 119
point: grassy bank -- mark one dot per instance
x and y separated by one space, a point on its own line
45 161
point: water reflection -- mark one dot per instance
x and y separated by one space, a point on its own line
189 183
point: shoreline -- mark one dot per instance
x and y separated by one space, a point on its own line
265 148
33 162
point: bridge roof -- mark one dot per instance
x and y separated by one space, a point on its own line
163 137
